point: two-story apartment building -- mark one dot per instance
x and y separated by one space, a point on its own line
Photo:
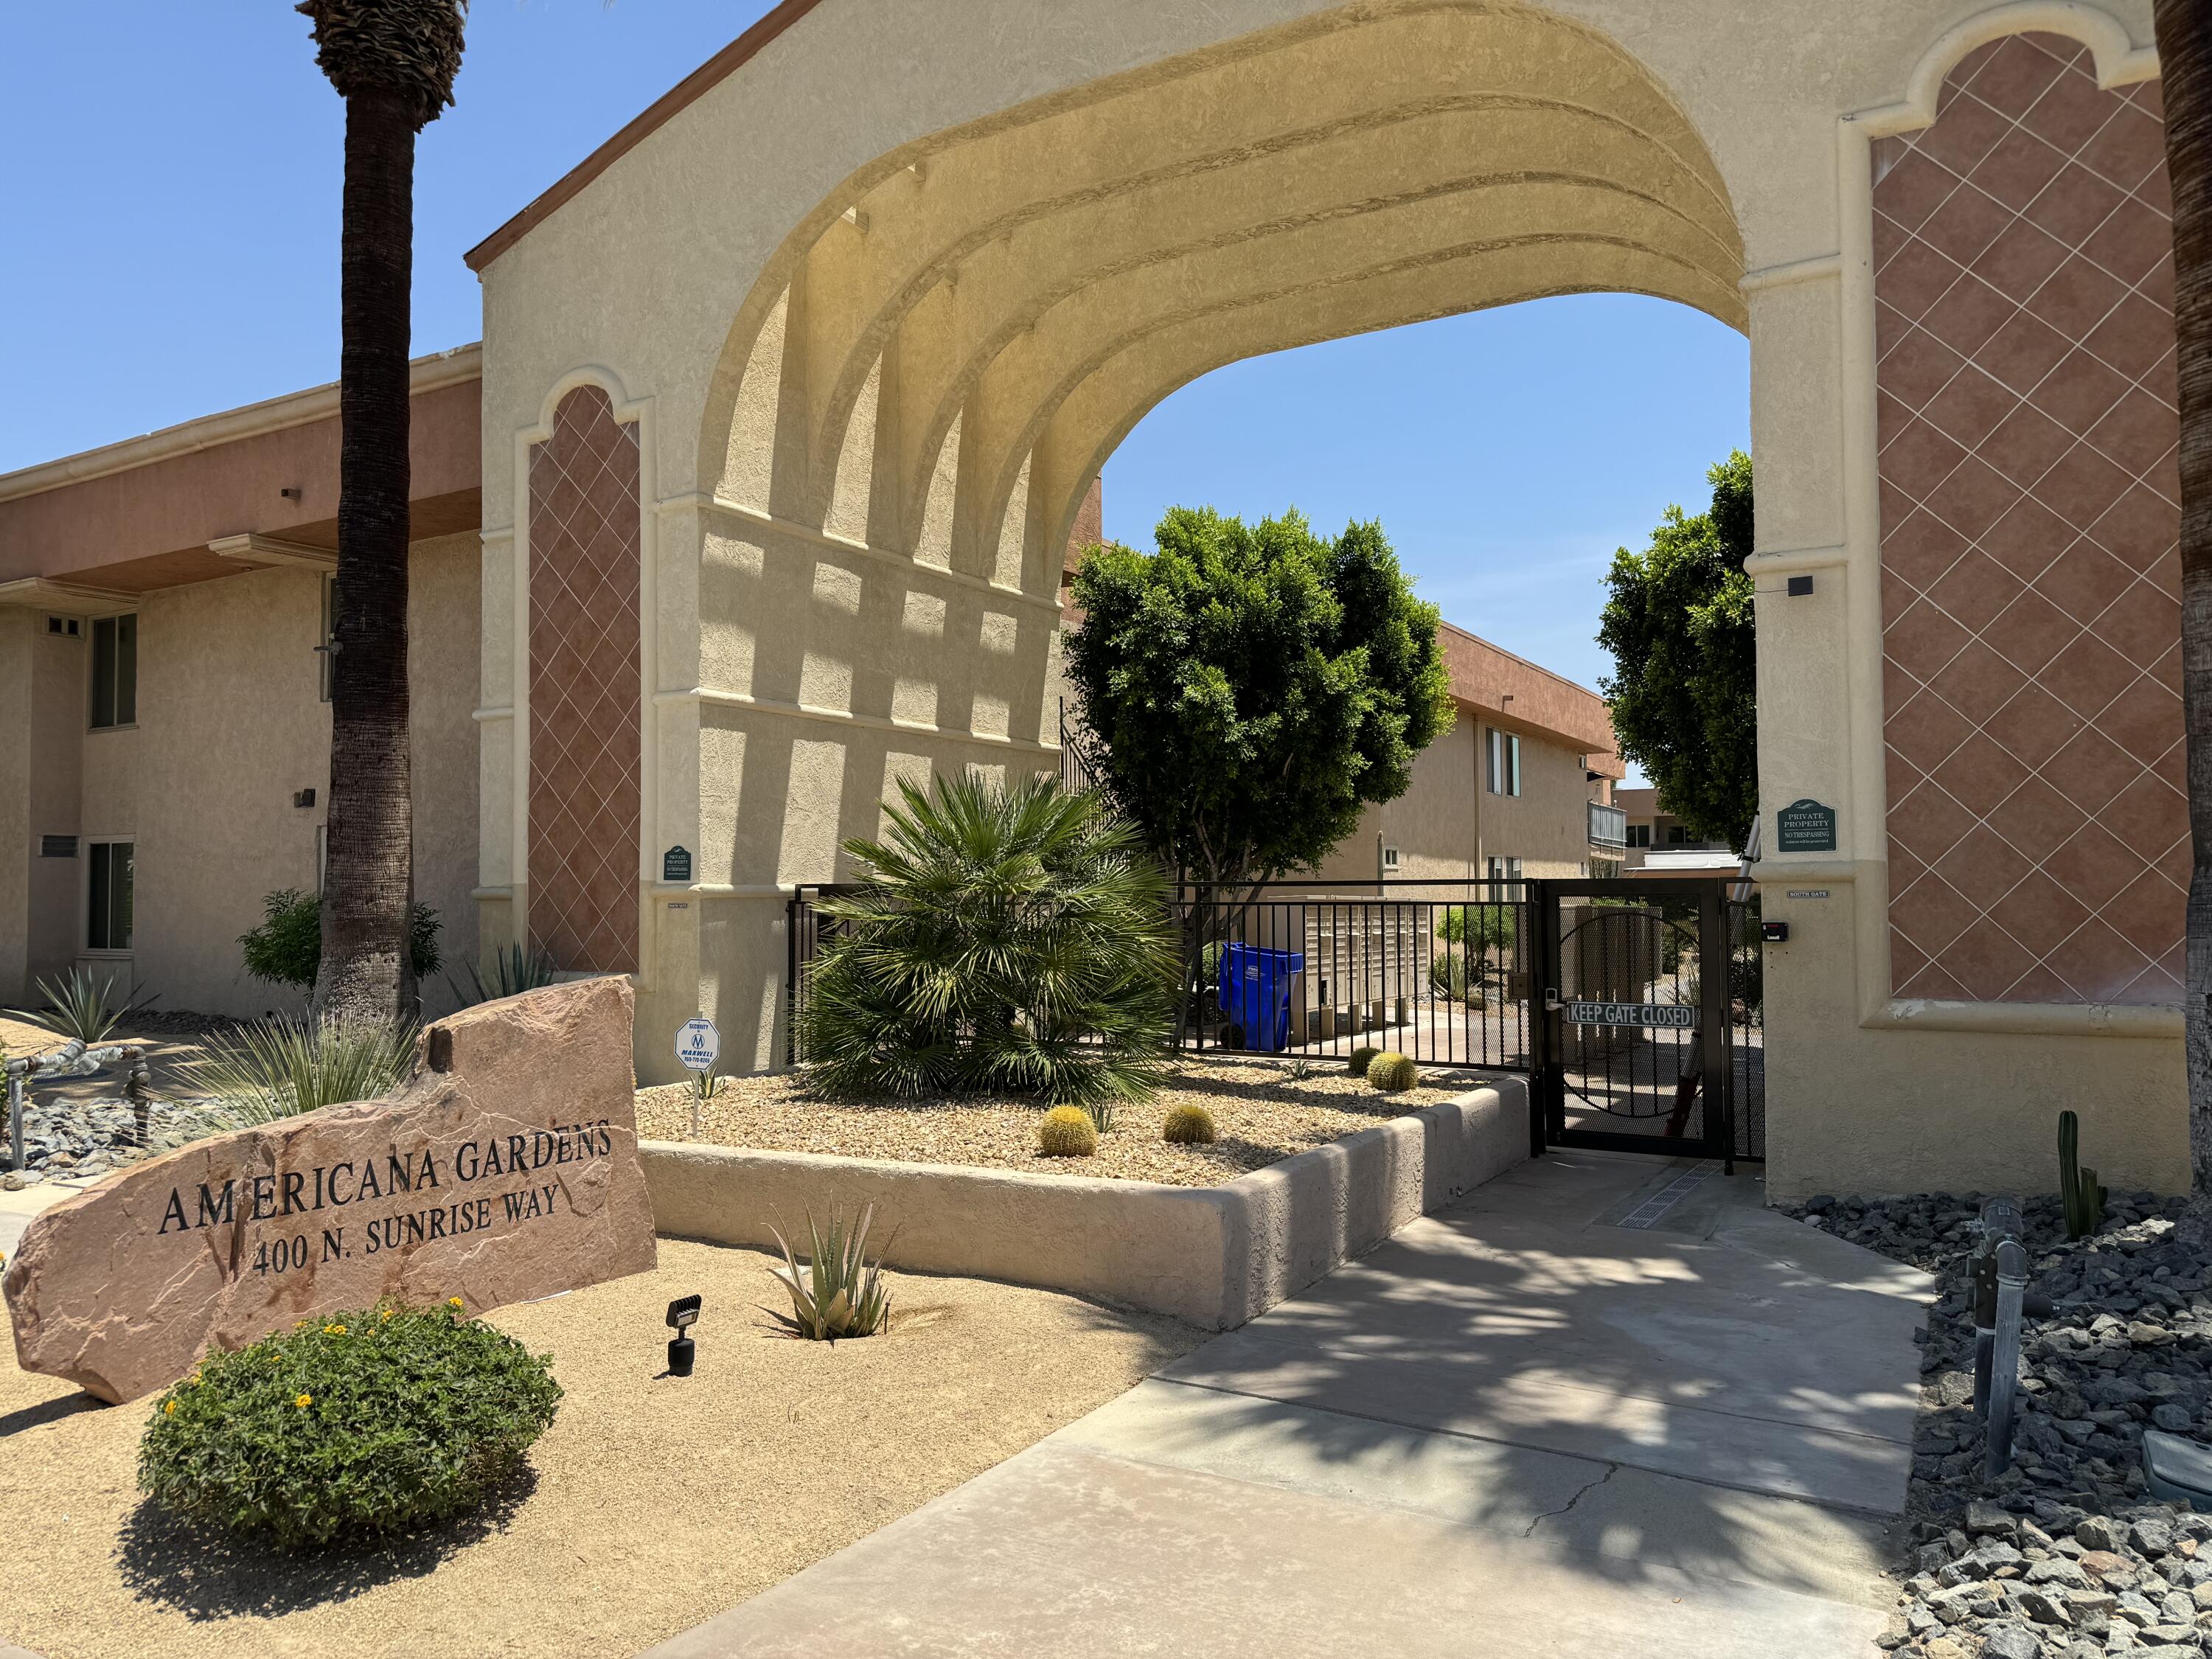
1521 787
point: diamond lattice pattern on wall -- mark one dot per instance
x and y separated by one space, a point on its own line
584 696
2024 305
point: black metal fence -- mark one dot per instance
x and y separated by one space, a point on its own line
1438 968
1432 968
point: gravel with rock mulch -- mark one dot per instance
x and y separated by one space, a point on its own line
2065 1556
1265 1110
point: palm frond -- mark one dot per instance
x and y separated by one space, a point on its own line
1007 938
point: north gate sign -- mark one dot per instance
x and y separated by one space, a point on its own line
505 1170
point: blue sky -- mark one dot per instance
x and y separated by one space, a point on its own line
171 172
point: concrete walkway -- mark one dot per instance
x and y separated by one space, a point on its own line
1606 1407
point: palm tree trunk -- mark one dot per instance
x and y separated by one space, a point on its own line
368 882
2185 53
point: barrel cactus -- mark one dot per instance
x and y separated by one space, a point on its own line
1361 1060
1189 1126
1068 1132
1393 1073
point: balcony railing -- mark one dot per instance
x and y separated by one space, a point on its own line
1608 825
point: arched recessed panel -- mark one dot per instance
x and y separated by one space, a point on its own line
2037 825
584 804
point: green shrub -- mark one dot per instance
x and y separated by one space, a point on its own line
1483 926
841 1292
372 1422
1007 940
514 970
1360 1060
1189 1126
1393 1073
277 1067
1068 1132
287 948
82 1004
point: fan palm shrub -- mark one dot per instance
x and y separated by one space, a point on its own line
1007 938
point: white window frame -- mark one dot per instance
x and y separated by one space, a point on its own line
86 948
1503 762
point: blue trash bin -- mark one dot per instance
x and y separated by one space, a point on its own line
1255 993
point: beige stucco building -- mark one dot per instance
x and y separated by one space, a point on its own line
1519 788
802 379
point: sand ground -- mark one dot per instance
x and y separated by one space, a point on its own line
653 1503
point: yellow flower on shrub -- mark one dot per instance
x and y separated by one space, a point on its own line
387 1313
334 1330
304 1401
455 1302
171 1408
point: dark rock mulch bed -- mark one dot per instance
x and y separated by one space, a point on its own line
2065 1555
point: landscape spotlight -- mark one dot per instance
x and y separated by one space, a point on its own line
682 1315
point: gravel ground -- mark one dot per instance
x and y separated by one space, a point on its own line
1265 1113
77 1128
2064 1556
651 1503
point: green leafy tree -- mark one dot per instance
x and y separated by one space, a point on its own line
1248 691
1011 940
1685 690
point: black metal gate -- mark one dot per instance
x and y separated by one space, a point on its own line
1633 1007
1645 1025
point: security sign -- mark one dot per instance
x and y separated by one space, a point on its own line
698 1045
1665 1016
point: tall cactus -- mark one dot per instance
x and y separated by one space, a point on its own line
2078 1187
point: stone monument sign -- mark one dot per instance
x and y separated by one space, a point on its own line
507 1168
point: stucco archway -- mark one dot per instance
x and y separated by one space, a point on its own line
939 357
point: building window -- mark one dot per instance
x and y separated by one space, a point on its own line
1640 834
1674 835
323 645
1505 763
107 920
114 672
1507 872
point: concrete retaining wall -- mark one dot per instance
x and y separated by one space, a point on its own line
1216 1256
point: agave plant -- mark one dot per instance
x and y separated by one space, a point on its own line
514 970
280 1066
1007 939
83 1005
840 1292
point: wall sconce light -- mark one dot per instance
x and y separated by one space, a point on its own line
1800 586
303 798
